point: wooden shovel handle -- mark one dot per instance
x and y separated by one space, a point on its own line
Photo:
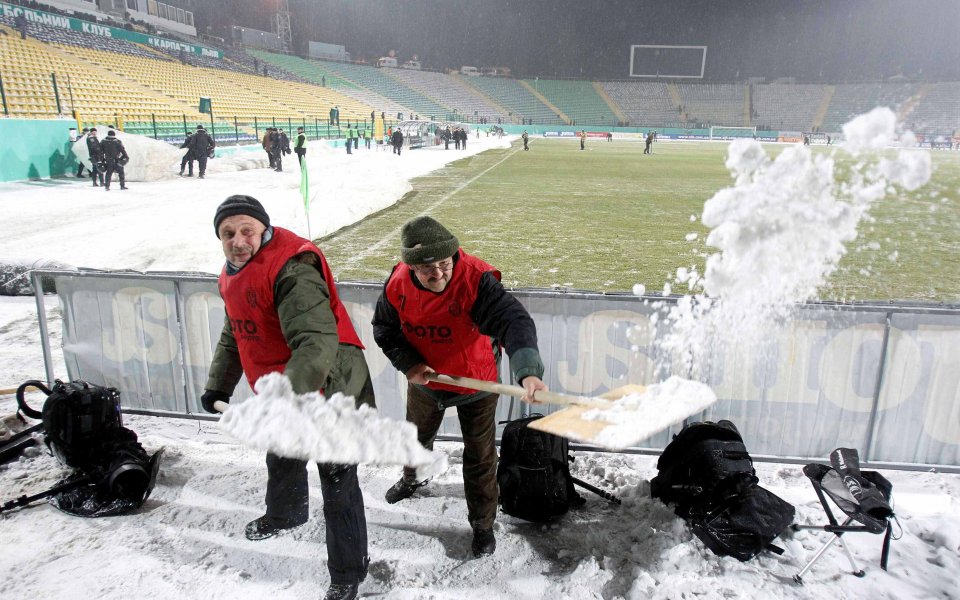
221 406
508 390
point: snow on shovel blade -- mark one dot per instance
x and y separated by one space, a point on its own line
631 418
325 430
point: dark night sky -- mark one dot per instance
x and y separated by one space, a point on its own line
809 39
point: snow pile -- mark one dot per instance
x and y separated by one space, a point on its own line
638 416
150 159
153 160
58 225
780 230
325 430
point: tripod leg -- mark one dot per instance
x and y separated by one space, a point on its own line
853 563
799 576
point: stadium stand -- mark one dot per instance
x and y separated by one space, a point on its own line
133 85
448 90
938 110
644 102
27 66
106 79
853 99
58 35
510 94
376 81
713 103
310 70
576 99
313 72
792 107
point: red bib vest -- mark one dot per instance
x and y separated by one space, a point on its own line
248 296
440 327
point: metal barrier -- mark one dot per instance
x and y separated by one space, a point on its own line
884 379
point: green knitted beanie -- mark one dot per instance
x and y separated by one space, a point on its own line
424 240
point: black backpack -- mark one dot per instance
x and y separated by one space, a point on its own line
707 475
534 473
83 428
76 416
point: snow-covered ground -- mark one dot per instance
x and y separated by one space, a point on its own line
187 541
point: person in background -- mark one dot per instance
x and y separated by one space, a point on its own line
96 157
458 298
284 142
265 143
279 286
115 157
526 140
300 146
397 141
188 158
202 146
276 149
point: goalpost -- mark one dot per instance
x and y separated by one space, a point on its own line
721 132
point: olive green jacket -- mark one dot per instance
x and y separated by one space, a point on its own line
317 361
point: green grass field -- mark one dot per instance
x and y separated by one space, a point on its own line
610 217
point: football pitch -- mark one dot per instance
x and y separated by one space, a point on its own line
610 217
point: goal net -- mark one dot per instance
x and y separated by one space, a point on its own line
720 132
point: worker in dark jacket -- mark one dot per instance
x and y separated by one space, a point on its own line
397 141
115 158
201 145
188 158
266 146
300 146
445 311
281 286
276 149
96 157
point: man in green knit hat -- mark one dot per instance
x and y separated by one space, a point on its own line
445 311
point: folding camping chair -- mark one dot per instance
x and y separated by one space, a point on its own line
863 496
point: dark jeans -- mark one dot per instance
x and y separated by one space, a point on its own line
300 156
96 174
479 428
114 168
187 160
202 164
343 514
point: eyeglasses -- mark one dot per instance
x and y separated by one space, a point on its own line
443 266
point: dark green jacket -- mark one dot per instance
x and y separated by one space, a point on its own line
318 360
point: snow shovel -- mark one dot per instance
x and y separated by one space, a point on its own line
614 420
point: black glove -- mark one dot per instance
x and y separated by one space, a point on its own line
211 396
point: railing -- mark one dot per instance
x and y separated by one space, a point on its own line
878 377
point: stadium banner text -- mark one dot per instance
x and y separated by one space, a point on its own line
883 379
51 20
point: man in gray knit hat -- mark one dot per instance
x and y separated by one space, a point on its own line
445 311
284 314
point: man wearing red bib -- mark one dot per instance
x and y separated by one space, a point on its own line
284 315
443 310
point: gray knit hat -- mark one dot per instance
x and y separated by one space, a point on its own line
424 240
240 205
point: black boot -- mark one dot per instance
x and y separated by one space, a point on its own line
483 542
342 591
402 490
264 527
